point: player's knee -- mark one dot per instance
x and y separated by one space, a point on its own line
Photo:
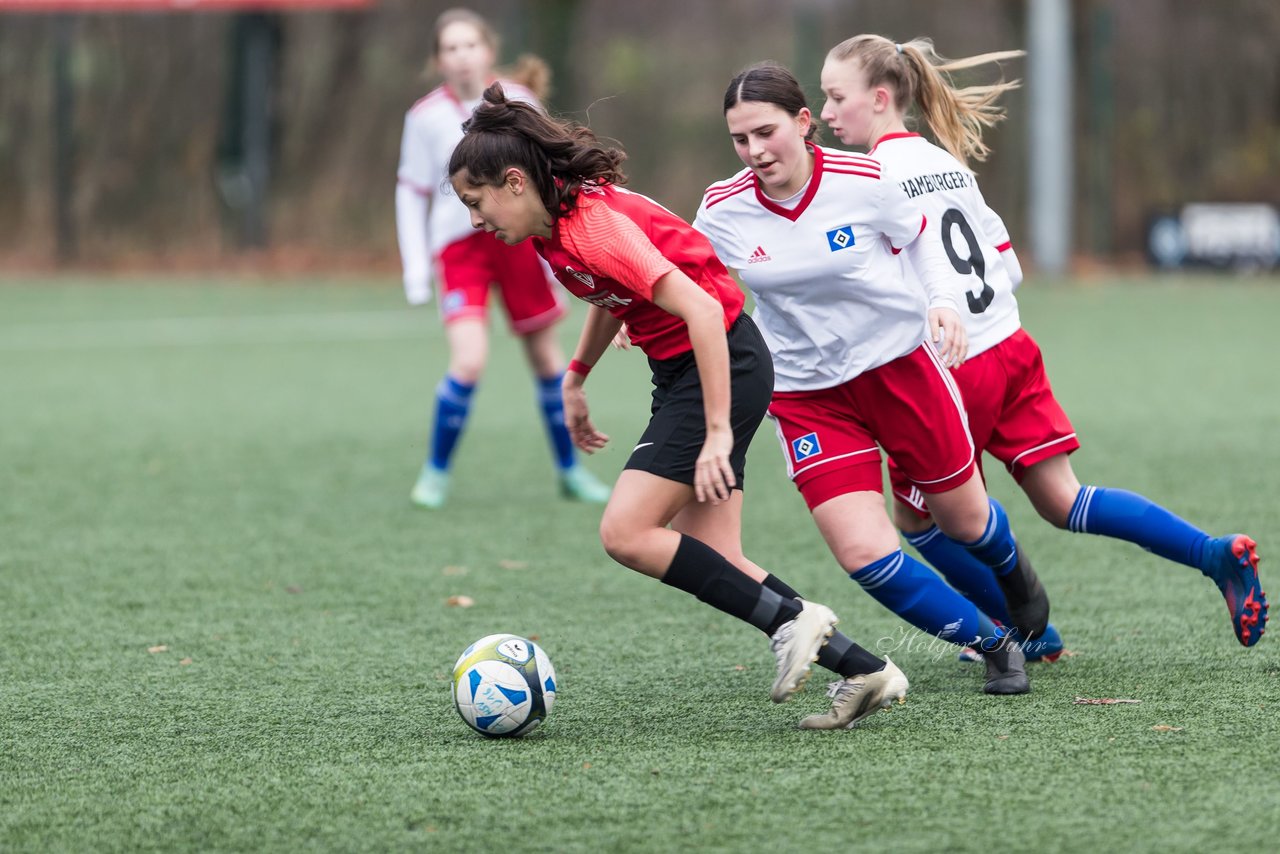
467 369
621 542
854 556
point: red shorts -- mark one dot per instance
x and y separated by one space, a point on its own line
1013 414
467 268
910 406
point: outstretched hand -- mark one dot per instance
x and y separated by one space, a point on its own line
577 417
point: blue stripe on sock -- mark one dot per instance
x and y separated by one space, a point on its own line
924 537
918 595
1128 516
880 573
992 525
1078 518
996 547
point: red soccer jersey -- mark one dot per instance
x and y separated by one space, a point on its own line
613 248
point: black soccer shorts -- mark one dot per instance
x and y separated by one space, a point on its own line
677 427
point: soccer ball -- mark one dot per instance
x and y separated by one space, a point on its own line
503 685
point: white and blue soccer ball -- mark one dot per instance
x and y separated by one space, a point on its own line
503 685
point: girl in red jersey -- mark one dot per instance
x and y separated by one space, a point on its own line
816 234
675 513
871 84
467 265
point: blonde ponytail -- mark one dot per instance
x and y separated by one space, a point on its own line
531 72
919 76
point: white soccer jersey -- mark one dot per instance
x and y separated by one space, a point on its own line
971 234
432 129
832 297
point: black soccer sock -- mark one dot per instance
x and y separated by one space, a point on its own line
704 572
777 585
840 654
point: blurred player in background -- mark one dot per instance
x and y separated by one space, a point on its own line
435 235
871 84
861 353
676 510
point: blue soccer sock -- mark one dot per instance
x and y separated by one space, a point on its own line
552 402
996 547
1128 516
970 576
918 595
453 403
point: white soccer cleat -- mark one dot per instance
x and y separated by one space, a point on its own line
859 697
796 645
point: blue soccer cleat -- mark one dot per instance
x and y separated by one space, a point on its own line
1232 563
1047 648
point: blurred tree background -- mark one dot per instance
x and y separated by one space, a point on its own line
1175 101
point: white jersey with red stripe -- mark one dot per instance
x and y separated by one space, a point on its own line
432 129
832 297
968 230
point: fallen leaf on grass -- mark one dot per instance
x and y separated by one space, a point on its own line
185 662
1101 701
454 570
513 564
460 601
739 667
1167 728
154 649
586 766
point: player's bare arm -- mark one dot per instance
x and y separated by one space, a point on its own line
598 330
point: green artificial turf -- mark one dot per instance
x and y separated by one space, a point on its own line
224 628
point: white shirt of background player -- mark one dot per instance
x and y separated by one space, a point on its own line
426 223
